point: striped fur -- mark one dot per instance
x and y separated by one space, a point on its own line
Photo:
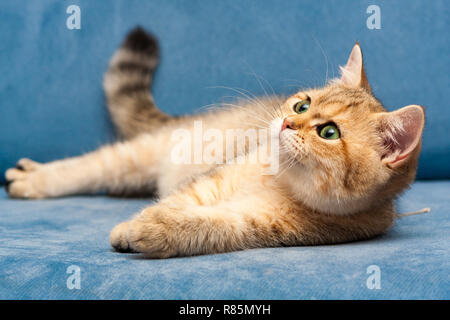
127 84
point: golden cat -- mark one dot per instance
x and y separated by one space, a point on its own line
343 161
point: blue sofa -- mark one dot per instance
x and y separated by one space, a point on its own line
52 106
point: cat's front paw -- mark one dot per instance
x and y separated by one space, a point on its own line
24 180
145 234
118 238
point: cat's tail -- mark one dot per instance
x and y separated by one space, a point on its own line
127 85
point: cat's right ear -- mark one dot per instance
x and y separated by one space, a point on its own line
401 132
353 73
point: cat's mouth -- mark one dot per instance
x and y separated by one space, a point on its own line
292 145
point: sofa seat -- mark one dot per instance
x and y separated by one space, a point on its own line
41 239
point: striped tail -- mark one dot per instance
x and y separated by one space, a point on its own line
127 84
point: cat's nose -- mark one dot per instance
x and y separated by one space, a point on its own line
288 124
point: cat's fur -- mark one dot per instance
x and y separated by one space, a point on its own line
326 191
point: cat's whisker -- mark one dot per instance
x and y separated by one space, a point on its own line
252 98
290 162
258 79
242 92
255 114
208 107
325 57
298 84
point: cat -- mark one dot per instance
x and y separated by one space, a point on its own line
343 161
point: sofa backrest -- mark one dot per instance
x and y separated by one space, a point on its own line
52 102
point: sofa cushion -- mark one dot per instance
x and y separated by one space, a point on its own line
43 240
52 102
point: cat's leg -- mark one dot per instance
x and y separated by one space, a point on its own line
212 215
119 167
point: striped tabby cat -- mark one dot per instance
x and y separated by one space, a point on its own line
343 161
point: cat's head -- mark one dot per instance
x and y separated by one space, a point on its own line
341 151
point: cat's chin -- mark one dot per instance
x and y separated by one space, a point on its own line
291 153
300 185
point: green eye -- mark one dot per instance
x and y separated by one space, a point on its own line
330 132
301 106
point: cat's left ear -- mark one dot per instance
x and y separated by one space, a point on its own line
353 73
401 132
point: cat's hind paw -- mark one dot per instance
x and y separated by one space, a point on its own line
21 180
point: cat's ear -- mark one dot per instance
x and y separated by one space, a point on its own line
353 73
401 132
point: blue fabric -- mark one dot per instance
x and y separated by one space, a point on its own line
39 240
52 106
52 103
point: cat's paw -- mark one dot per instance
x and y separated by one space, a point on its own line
24 180
118 238
145 234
